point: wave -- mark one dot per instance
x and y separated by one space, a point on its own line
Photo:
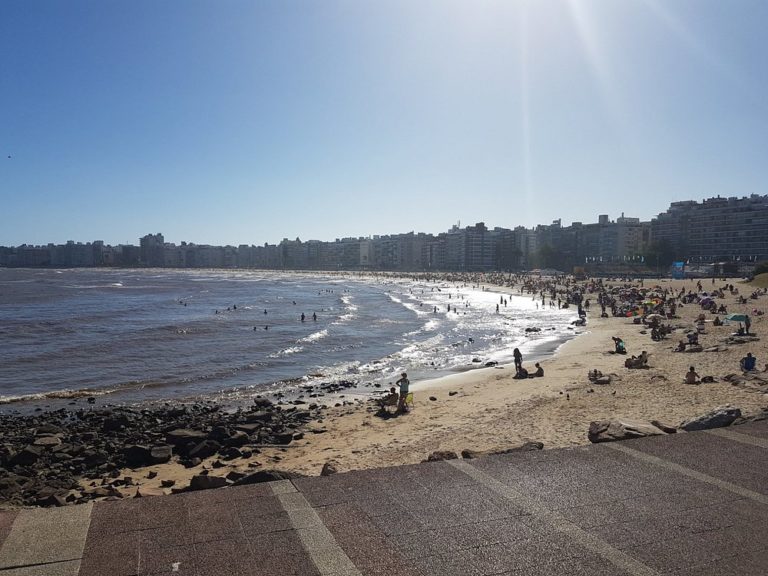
56 394
286 352
314 337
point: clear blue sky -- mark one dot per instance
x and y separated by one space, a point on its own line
230 122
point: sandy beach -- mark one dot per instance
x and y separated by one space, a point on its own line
486 409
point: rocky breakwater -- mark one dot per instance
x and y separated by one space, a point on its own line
72 456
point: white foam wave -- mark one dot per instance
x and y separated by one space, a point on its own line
314 337
287 351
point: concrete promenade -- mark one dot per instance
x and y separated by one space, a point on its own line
684 504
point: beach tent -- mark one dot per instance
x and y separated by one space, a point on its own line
736 317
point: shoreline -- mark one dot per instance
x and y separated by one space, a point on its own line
485 409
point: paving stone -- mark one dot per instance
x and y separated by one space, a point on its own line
46 535
231 557
281 553
6 521
113 554
734 462
156 559
70 568
215 521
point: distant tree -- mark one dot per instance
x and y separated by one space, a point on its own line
659 253
761 268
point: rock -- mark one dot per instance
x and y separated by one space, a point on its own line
137 456
182 436
717 418
237 438
26 456
47 441
432 399
161 454
151 474
145 491
665 426
115 422
284 438
167 483
204 449
610 430
262 402
234 476
452 393
441 455
528 446
267 476
330 467
206 482
45 429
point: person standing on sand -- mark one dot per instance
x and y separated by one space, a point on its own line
518 360
404 385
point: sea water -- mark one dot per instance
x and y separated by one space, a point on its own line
132 336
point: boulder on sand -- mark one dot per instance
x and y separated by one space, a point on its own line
611 430
717 418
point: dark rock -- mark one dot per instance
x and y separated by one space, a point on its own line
610 430
151 475
26 456
161 454
433 399
115 422
452 393
285 438
330 467
206 482
528 446
262 402
442 455
182 436
717 418
267 476
167 483
137 456
204 449
234 476
236 438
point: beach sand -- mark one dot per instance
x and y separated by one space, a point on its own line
486 409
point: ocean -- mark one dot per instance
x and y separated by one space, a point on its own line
142 336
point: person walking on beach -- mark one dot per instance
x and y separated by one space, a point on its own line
404 385
518 360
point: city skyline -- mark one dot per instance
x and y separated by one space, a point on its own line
253 122
716 230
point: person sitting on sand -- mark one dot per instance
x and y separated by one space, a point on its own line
691 377
390 399
748 363
539 371
619 347
717 322
680 347
522 374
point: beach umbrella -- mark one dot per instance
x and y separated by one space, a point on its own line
706 301
655 317
736 317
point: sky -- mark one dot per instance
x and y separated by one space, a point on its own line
245 122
